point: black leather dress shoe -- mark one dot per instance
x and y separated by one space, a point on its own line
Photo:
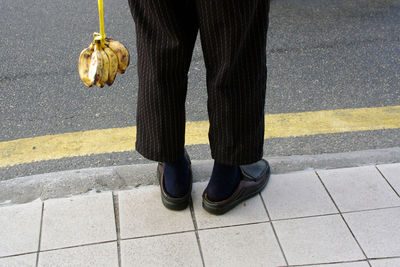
170 202
254 177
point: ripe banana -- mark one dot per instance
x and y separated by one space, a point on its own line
84 63
106 68
113 65
121 52
96 65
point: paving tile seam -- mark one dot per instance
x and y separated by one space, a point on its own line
329 214
351 261
196 231
40 234
274 231
117 224
385 258
249 223
330 262
226 226
156 235
304 217
77 246
372 209
18 254
387 181
341 215
306 264
352 167
232 225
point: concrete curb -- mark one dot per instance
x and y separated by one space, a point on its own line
65 183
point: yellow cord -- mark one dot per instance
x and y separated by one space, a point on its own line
101 21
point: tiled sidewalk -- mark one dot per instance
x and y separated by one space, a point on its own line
341 217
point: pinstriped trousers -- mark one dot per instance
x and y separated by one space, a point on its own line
233 39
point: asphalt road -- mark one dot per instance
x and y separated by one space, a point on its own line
321 55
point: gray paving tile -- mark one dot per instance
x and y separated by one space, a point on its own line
392 174
250 211
377 231
166 250
385 263
245 245
28 260
317 240
20 227
142 213
359 188
296 194
93 255
343 264
78 220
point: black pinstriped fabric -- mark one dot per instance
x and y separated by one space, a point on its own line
233 38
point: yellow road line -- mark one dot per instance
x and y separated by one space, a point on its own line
123 139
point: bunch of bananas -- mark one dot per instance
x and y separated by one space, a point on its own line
100 62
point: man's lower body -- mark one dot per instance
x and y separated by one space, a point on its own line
233 38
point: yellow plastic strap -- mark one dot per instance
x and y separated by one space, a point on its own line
101 20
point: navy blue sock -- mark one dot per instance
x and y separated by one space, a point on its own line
177 177
223 182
